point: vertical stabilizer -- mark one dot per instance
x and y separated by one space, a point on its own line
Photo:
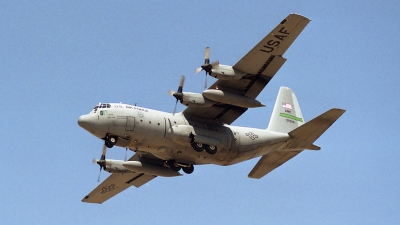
286 115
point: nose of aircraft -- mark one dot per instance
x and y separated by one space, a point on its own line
87 122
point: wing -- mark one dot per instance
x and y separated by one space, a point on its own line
116 183
274 44
260 64
269 162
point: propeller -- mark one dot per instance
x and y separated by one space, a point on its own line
126 152
102 161
207 66
178 94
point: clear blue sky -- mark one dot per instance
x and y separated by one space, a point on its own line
58 59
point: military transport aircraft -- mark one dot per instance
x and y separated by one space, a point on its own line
165 143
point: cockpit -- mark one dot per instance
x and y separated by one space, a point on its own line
101 106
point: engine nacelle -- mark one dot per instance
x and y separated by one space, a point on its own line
195 100
224 72
116 166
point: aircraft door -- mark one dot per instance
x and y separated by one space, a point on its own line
130 123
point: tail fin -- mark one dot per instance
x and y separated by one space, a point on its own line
286 115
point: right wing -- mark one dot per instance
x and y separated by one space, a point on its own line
260 65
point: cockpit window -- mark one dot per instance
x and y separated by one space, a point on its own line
104 105
95 109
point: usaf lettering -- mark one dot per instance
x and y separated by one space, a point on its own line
272 44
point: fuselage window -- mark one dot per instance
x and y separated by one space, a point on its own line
103 113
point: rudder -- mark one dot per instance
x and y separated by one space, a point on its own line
286 115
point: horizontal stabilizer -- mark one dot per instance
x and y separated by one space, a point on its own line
304 136
269 162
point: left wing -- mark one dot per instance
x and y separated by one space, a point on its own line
116 183
260 65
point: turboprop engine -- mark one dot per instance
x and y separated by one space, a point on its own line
195 99
212 96
224 72
120 166
112 166
214 69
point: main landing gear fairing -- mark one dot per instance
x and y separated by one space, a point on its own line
110 141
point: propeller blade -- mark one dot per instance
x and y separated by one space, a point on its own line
215 64
178 94
102 161
181 83
198 70
171 92
205 83
103 153
175 107
207 66
98 178
126 152
207 56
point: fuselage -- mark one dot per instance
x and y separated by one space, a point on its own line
168 136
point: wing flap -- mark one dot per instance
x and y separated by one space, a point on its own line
269 162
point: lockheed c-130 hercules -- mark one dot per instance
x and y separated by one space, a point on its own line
165 143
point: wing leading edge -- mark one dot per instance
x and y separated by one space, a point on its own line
260 64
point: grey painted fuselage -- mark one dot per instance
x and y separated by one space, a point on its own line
166 136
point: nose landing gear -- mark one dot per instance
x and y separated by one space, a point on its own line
110 141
